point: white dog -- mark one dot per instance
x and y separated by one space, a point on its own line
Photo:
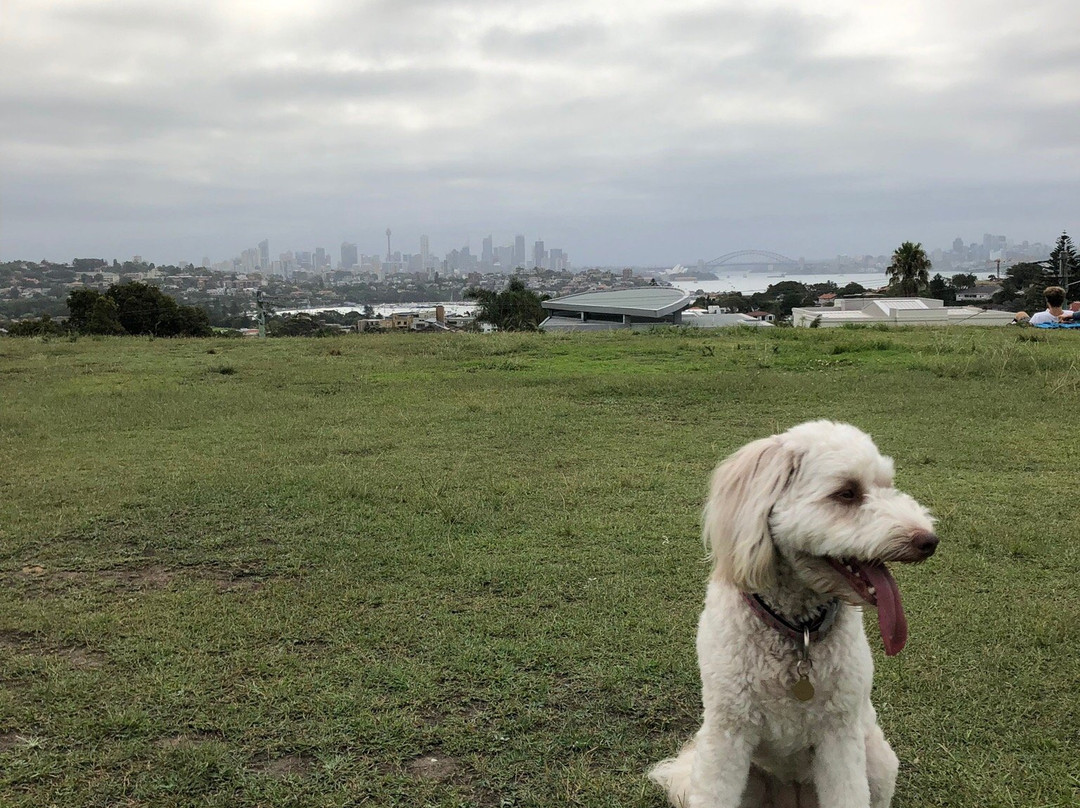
799 526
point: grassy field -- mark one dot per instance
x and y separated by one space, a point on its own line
463 570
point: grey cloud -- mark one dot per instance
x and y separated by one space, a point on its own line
136 19
311 84
657 132
577 40
727 29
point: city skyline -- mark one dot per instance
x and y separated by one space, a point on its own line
507 255
647 133
492 258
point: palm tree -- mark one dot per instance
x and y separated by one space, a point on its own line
909 270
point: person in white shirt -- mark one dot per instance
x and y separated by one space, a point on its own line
1055 299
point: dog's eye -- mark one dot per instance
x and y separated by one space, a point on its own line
847 495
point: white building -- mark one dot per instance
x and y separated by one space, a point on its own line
897 311
980 293
715 318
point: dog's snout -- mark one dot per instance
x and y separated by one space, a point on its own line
924 542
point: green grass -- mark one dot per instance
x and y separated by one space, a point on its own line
291 572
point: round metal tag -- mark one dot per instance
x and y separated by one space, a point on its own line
803 690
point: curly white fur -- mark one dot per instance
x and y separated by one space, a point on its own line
777 509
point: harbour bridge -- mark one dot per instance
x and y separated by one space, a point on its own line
739 259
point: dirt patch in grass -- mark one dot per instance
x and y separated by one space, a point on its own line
187 740
77 656
434 766
82 658
240 580
12 638
153 577
127 579
150 578
288 766
12 740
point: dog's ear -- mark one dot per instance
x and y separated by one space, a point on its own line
736 519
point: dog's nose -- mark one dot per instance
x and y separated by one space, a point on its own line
924 542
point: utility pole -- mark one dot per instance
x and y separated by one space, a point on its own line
260 312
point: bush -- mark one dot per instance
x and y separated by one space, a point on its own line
44 327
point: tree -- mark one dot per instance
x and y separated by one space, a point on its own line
144 309
44 327
184 321
134 308
90 312
781 298
909 270
851 290
1063 262
88 264
104 317
733 301
963 281
80 303
941 289
516 308
300 324
1025 280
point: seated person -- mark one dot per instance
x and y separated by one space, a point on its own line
1021 318
1055 299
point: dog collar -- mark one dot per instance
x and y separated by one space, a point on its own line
803 633
817 626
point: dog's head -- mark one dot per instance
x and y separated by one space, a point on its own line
819 496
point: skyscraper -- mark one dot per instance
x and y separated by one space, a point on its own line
264 254
487 256
538 254
350 259
519 251
425 253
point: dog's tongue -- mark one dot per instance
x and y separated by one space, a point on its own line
890 612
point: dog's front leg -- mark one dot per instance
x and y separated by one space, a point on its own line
840 771
721 768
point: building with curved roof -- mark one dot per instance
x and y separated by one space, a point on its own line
641 307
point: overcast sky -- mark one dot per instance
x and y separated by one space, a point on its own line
642 132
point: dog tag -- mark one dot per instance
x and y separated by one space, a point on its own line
802 689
